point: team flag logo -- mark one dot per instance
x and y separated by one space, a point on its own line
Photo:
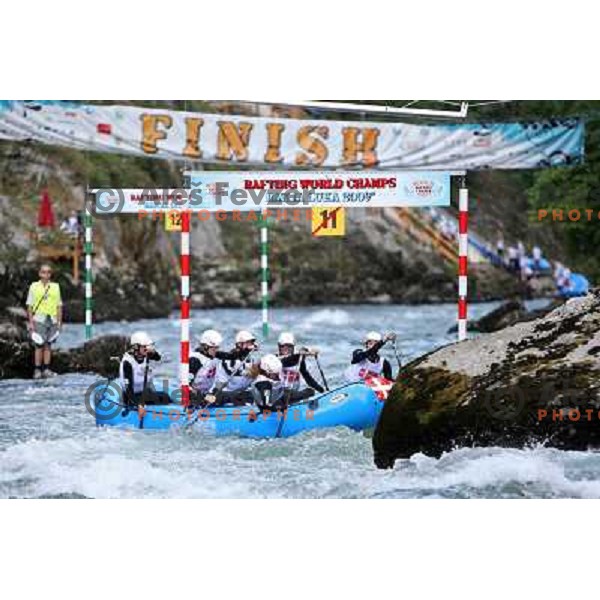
380 385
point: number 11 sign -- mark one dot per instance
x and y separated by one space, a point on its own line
328 221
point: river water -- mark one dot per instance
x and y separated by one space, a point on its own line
50 446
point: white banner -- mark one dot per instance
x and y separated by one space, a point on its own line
294 143
230 191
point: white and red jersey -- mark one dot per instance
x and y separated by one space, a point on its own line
233 375
290 377
204 379
380 385
364 369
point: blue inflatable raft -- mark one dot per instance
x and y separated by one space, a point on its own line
354 405
579 286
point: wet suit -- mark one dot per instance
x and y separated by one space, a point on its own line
292 393
195 364
268 394
197 396
230 369
372 356
143 395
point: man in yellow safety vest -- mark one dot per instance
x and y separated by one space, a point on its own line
44 310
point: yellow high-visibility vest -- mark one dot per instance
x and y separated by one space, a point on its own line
49 305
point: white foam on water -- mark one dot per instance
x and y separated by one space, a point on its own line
497 472
334 463
327 318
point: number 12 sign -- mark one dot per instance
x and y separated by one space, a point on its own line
328 221
173 220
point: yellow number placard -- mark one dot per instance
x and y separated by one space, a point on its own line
173 220
328 221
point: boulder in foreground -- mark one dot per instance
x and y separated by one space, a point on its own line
533 382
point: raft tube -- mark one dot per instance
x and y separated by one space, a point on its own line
354 405
579 286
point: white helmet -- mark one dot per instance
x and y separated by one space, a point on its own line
140 338
269 363
286 337
210 337
244 336
372 336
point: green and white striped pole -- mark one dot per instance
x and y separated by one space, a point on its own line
264 268
88 250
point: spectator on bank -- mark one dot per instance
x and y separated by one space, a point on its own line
565 279
536 253
558 271
70 225
513 259
44 311
434 215
524 268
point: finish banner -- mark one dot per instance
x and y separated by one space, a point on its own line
230 191
294 143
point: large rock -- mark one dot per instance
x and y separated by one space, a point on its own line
95 356
534 382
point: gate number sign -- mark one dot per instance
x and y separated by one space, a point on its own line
328 221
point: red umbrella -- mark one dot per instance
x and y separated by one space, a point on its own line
45 214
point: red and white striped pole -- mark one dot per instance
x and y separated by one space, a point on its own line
463 221
185 308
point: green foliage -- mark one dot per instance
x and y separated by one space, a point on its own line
575 188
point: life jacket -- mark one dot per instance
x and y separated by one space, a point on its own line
364 369
205 377
269 398
139 370
233 374
290 377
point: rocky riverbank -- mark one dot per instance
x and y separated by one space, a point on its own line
535 382
16 355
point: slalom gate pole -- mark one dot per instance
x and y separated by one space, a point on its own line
88 251
264 269
463 220
185 308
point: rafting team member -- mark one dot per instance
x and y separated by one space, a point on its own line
204 362
44 311
267 389
294 369
135 373
368 361
236 372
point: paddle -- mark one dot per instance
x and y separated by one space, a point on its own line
142 407
321 372
243 363
397 354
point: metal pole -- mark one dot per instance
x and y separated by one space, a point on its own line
463 220
185 308
264 268
88 250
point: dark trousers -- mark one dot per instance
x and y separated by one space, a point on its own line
149 397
